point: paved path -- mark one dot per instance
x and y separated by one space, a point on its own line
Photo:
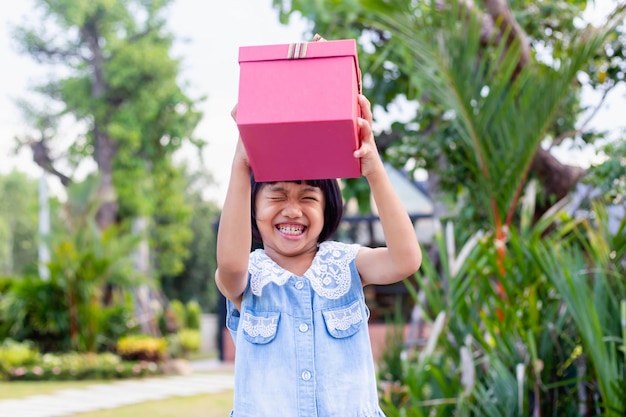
103 396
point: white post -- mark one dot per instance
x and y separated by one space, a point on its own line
44 227
144 298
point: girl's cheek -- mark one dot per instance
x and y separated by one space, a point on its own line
261 216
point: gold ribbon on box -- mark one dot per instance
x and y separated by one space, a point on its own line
298 50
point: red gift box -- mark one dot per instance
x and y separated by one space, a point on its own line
297 109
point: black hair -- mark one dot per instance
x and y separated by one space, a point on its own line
333 206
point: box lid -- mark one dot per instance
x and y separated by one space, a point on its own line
301 50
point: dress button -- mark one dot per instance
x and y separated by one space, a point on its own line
306 375
299 285
303 327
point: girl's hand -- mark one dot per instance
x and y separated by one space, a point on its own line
241 156
368 152
233 113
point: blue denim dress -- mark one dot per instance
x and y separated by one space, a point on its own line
302 342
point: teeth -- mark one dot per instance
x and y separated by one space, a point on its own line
291 230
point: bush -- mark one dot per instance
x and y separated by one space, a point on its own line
194 315
190 340
76 366
116 322
15 354
184 342
167 321
179 312
178 316
142 347
37 310
174 347
5 284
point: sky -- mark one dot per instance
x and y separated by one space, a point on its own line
213 31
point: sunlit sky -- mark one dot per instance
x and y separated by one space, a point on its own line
214 32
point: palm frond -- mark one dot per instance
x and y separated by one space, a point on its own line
565 266
502 111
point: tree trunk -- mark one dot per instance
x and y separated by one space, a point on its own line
105 151
558 179
105 147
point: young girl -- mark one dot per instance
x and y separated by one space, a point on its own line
296 307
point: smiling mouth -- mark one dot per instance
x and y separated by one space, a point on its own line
291 229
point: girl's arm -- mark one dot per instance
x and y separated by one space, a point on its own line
402 255
234 235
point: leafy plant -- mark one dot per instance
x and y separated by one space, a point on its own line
116 321
183 343
15 354
194 315
37 310
190 340
77 366
590 285
559 347
85 260
142 347
179 311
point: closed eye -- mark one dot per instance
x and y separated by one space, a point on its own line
276 198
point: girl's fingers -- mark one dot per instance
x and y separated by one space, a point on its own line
365 129
366 108
367 138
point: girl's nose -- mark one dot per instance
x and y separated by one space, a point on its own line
292 209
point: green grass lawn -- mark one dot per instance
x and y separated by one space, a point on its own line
204 405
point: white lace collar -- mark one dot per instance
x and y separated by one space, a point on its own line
329 274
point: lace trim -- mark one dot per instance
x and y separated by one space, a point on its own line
329 273
264 271
343 319
259 326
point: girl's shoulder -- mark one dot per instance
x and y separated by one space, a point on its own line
334 249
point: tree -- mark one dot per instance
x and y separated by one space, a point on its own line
118 81
503 104
195 281
428 140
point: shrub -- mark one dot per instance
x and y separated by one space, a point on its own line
5 284
36 310
167 321
174 347
180 313
183 342
116 322
190 340
142 347
15 354
77 366
194 315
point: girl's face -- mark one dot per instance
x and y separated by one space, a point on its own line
290 217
